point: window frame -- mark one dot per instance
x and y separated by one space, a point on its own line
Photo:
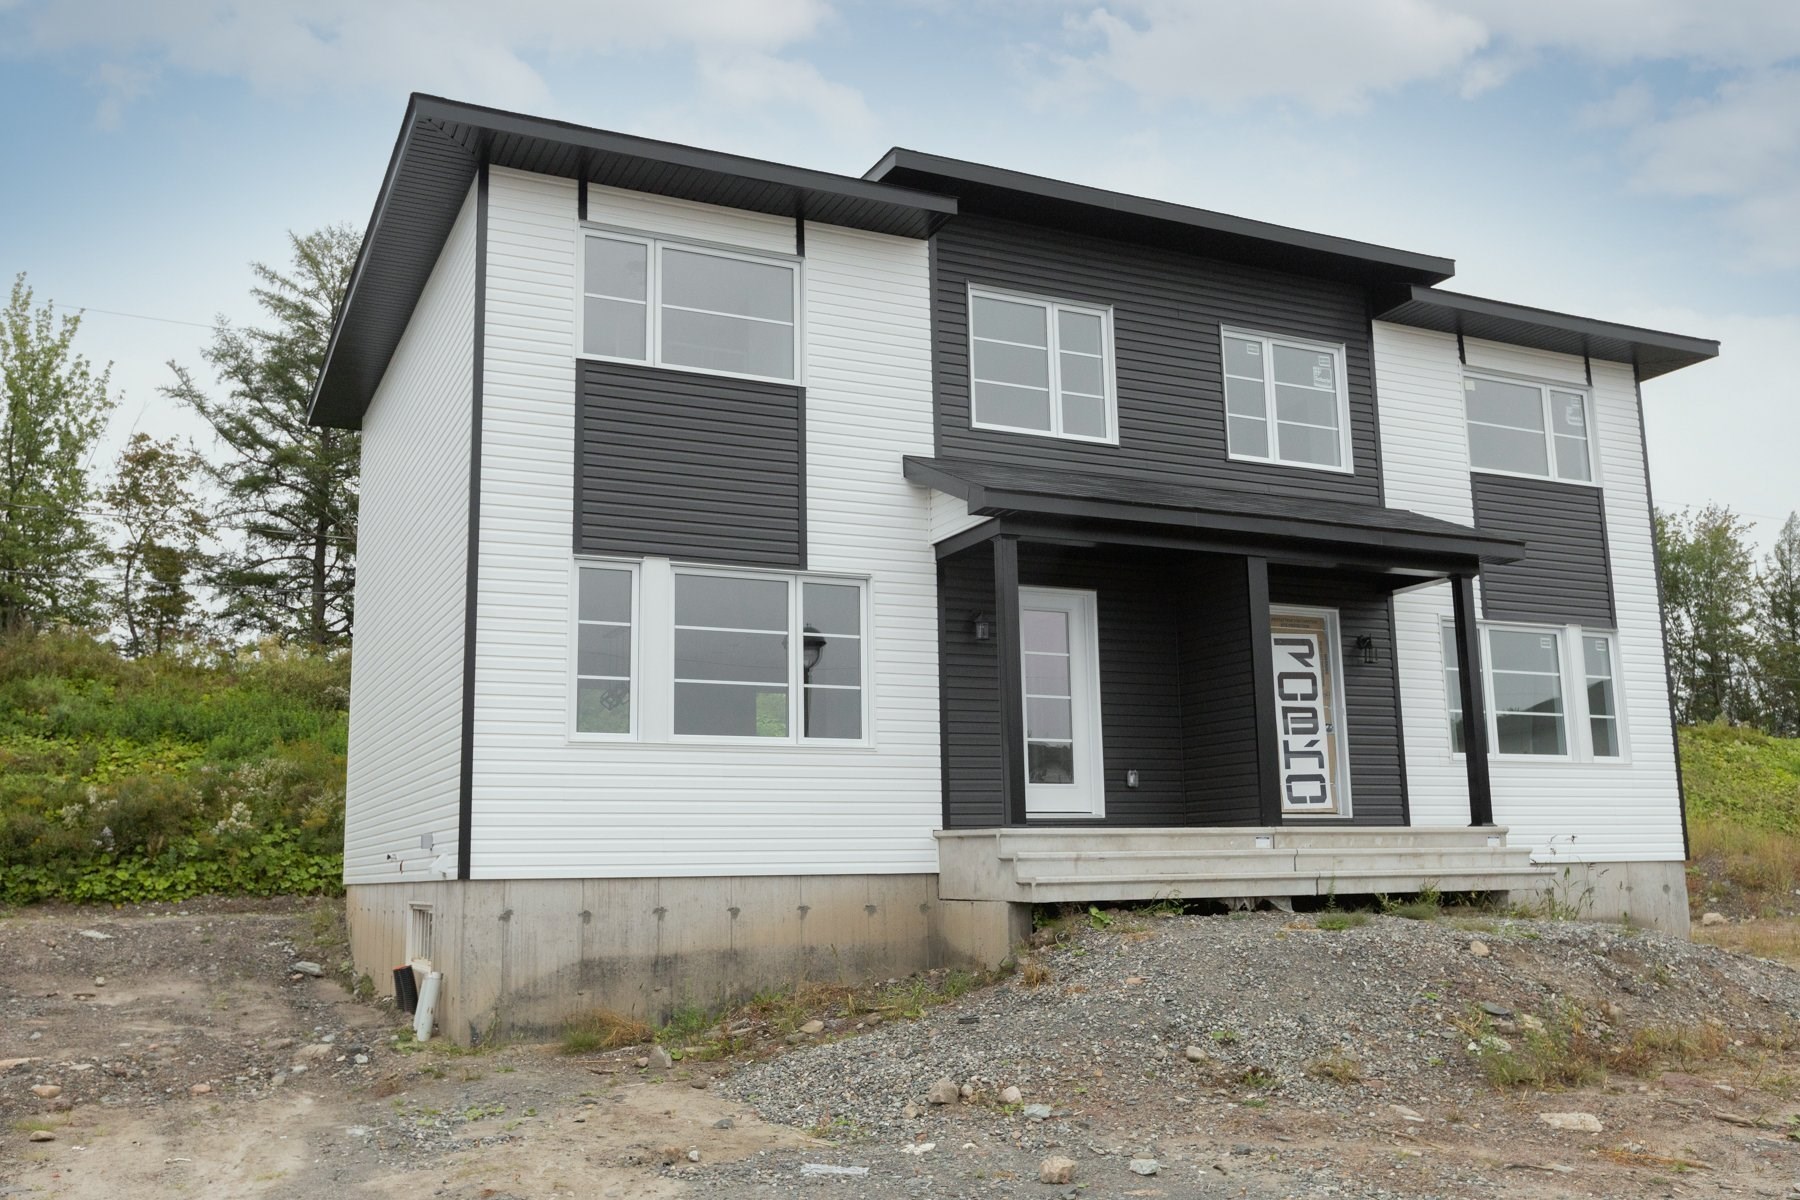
796 582
1053 333
1573 668
1346 445
654 245
632 568
1544 387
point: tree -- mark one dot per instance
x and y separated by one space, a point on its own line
290 490
1708 591
1778 632
164 524
56 407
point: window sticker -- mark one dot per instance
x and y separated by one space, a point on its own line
1253 350
1573 416
1322 371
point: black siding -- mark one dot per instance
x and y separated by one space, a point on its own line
1371 693
1167 312
970 694
689 466
1218 705
1565 577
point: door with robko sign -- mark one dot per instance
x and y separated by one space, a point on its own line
1309 705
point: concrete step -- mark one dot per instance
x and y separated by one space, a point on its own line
1035 864
1100 888
1248 838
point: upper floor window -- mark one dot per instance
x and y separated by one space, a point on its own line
1041 366
1285 401
671 305
1524 428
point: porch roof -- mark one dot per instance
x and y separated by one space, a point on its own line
1225 515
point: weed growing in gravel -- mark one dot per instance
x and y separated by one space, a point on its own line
1224 1037
684 1025
1337 1067
602 1029
1033 973
1259 1080
1098 919
1426 906
1560 1054
1336 922
1684 1046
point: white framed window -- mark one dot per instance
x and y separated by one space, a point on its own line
1551 692
1285 401
605 657
1525 692
1041 366
1522 427
1602 697
687 306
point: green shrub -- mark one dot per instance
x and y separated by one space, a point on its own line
168 776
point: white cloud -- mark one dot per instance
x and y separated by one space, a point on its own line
472 49
758 80
1329 56
1738 147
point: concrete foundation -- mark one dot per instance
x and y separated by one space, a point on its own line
1652 895
522 957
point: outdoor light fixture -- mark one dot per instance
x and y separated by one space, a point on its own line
812 645
984 627
1365 645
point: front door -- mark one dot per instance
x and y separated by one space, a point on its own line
1309 705
1063 772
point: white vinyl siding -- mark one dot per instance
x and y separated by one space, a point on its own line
406 680
547 804
1619 809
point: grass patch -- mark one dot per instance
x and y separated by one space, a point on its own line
1033 973
687 1023
1337 922
1776 938
603 1029
1337 1067
1561 1054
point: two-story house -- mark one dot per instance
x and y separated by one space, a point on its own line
767 573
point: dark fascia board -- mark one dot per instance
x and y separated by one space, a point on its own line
1078 208
1651 352
440 144
1345 532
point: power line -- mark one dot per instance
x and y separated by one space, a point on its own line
114 312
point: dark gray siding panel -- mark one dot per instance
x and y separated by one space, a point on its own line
1140 685
1218 708
689 466
970 694
1564 577
1377 761
1167 313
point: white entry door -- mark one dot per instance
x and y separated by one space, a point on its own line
1309 712
1064 776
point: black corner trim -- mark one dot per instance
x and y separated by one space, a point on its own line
1662 625
1399 715
1262 674
465 799
581 197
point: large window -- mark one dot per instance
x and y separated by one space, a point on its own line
1523 428
755 660
1285 401
604 605
1041 366
670 305
694 653
1542 686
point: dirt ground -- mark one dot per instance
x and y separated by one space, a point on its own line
192 1062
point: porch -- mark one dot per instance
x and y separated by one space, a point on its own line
1237 733
1035 865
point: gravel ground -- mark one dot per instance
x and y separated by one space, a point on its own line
1262 999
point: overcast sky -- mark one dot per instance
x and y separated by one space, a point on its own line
1632 160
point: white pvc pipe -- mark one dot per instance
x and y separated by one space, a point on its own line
428 998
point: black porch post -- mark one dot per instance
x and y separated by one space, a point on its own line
1474 715
1262 676
1010 664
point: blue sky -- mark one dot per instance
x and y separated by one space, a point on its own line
1635 160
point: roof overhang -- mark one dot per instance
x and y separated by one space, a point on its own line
1075 208
1650 352
443 142
1121 509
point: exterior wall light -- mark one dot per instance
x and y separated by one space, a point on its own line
1365 646
983 625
